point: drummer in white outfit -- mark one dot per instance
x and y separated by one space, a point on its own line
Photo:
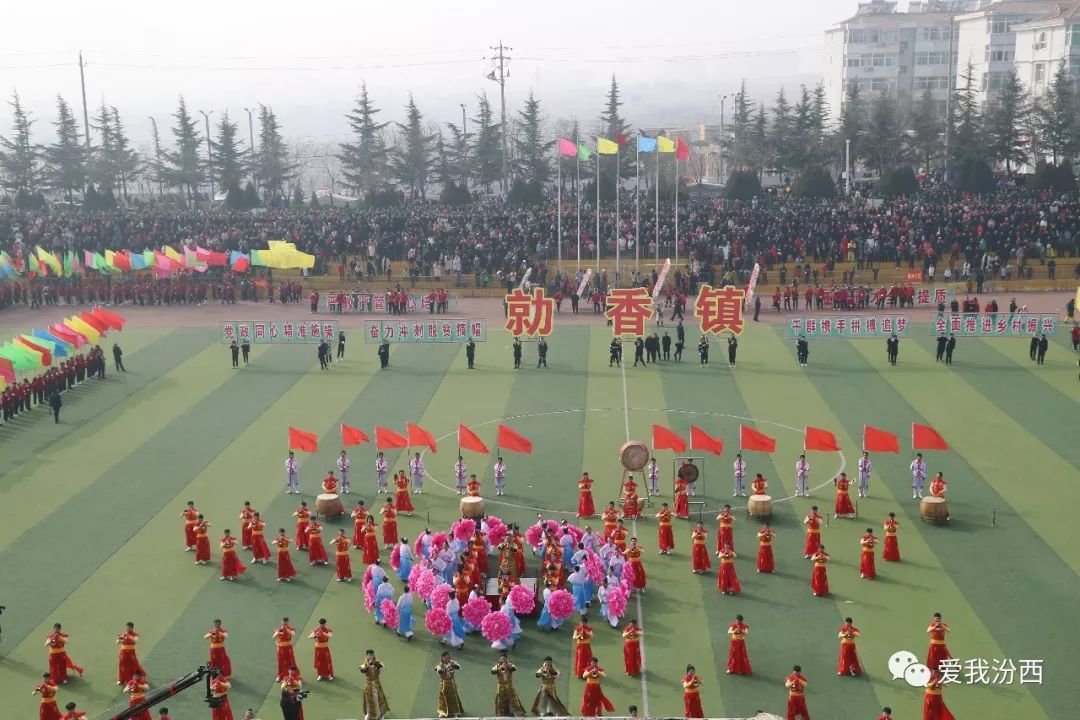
382 469
865 468
344 464
461 470
500 477
802 477
918 476
292 475
739 467
416 468
653 472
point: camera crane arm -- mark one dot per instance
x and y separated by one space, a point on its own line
162 694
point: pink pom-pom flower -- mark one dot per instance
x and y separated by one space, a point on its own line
414 574
595 567
367 575
437 622
496 626
438 540
389 613
496 535
553 527
534 535
577 532
369 597
494 522
418 546
627 575
425 584
561 604
395 557
521 600
477 609
616 601
440 596
464 530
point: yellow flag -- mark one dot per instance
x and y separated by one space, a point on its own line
606 147
173 255
50 260
663 144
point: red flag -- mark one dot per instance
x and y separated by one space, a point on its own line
468 440
114 321
701 440
7 370
620 138
667 439
94 322
385 438
875 440
682 150
303 441
509 439
924 437
818 439
751 439
419 436
352 436
122 261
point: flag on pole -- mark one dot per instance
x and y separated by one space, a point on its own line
419 436
111 319
752 284
664 144
701 440
567 148
583 153
620 138
386 438
682 150
352 436
660 280
664 438
875 440
468 440
303 441
818 439
751 439
606 147
584 281
646 144
924 437
510 439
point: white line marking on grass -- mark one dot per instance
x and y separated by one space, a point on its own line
640 612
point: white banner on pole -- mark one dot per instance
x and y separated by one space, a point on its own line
752 284
660 280
584 281
524 279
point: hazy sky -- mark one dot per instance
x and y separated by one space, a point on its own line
307 60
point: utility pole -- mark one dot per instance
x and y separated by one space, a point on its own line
949 92
159 170
847 167
499 73
85 114
463 130
251 146
209 155
720 169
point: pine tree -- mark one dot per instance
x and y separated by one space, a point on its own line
802 145
614 126
885 137
159 164
185 167
1055 117
66 158
486 163
458 150
853 122
532 153
926 124
965 125
20 159
364 160
740 148
228 154
819 116
780 135
411 160
759 154
272 160
125 160
103 173
1006 119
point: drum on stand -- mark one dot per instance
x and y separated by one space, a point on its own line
634 455
472 507
689 473
329 504
934 509
759 506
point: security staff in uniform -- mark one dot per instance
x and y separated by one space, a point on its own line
949 347
384 355
245 350
615 358
892 347
639 351
942 341
517 353
235 350
703 351
541 353
732 350
470 353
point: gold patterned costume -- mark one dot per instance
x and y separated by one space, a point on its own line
449 703
375 703
547 702
507 702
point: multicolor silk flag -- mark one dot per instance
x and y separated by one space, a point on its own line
682 150
111 319
818 439
55 340
352 436
239 261
46 356
468 440
646 144
876 440
95 322
176 257
121 261
751 439
606 147
56 349
701 440
386 438
85 329
67 335
510 439
664 438
417 436
924 437
583 153
50 261
664 144
567 148
7 370
303 441
620 138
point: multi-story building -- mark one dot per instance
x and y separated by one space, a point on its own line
1045 44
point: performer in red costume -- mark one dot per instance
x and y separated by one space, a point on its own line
59 662
341 557
128 662
324 663
738 662
582 646
699 552
891 552
665 537
585 507
359 516
219 690
867 569
796 701
844 508
219 658
765 537
303 516
933 702
402 500
727 580
632 648
812 521
389 528
848 662
725 535
47 709
937 651
371 541
260 551
231 567
691 683
819 577
285 569
190 515
316 549
594 702
202 540
286 656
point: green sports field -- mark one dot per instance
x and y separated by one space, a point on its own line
90 534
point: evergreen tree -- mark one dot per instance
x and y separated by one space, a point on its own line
780 135
614 126
853 124
759 153
885 137
802 132
20 160
185 167
66 158
926 125
532 153
228 154
364 160
125 160
251 196
486 163
411 160
1006 120
101 170
1055 117
740 148
158 165
444 166
458 151
965 125
819 115
272 160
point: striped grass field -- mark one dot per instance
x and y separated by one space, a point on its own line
90 534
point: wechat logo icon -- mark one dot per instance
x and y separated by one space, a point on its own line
904 665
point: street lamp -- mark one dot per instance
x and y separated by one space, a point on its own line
720 169
209 155
251 143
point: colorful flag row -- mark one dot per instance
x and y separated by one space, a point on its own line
923 437
606 146
38 348
415 436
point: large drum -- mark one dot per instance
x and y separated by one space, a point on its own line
634 455
759 506
689 473
329 504
472 507
934 509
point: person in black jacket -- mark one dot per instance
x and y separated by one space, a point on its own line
1033 348
384 355
732 350
892 347
118 358
470 353
942 341
517 353
1044 344
949 347
55 403
541 353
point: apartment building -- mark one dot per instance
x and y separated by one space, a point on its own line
1045 44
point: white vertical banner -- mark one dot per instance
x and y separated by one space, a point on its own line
524 279
752 284
584 281
660 279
